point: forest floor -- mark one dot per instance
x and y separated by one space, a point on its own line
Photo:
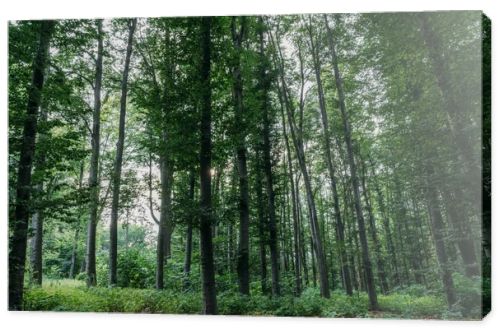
73 296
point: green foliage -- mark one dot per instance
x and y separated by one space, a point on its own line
136 269
67 295
469 295
409 306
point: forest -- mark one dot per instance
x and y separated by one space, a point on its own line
326 165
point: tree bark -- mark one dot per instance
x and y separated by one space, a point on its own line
113 230
354 178
74 252
164 227
438 233
206 247
189 234
19 238
37 243
387 228
295 211
264 84
94 164
262 228
382 277
299 148
38 218
241 156
339 226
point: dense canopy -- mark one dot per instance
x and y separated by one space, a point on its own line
311 165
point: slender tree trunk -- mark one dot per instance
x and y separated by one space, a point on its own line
206 247
94 164
463 235
165 213
166 166
339 227
37 220
313 263
373 233
113 229
20 220
295 213
354 178
387 228
36 245
299 148
74 252
262 228
189 235
302 243
264 83
241 156
439 233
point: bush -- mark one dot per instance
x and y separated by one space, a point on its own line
135 269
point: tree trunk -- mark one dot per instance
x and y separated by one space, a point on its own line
37 243
438 232
339 227
299 148
264 84
463 235
164 229
387 228
113 229
189 234
382 277
74 252
37 220
19 227
262 228
94 164
302 238
206 247
241 156
354 178
295 211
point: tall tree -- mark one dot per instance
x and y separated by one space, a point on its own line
352 167
238 34
37 220
297 140
113 233
264 85
189 233
18 240
206 247
339 226
439 229
94 163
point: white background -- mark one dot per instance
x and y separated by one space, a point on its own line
73 323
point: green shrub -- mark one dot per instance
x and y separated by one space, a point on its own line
135 269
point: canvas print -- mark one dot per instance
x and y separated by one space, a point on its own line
309 165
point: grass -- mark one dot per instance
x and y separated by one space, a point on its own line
72 295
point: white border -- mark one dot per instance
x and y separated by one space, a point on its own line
119 323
